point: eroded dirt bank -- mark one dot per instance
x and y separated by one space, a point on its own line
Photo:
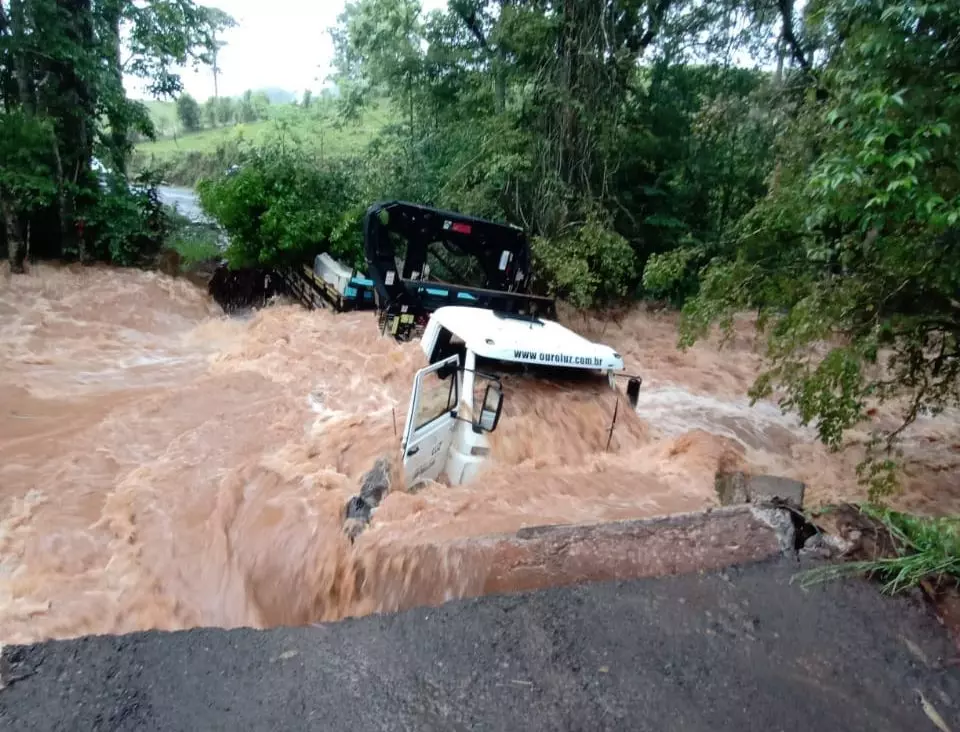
164 466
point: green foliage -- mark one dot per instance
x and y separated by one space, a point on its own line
225 110
246 111
26 161
188 112
672 274
857 243
926 549
591 266
210 112
538 115
195 244
64 104
282 207
128 225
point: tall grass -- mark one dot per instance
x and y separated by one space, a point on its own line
926 549
196 243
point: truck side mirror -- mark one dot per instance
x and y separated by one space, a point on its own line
490 411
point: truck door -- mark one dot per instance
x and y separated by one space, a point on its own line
431 419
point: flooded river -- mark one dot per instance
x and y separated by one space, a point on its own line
164 466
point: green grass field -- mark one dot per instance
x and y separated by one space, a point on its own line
315 128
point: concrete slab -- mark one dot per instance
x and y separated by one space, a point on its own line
556 556
738 488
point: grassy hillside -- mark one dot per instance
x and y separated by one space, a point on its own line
315 130
187 157
164 116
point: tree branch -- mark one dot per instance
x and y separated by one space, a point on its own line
654 21
796 49
469 17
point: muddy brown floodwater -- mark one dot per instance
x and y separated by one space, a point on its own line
165 466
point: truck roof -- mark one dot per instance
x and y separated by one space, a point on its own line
524 339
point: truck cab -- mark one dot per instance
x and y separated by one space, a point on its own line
456 401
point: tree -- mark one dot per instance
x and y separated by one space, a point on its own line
26 178
188 112
261 105
246 112
282 206
225 110
62 63
218 21
307 99
210 112
530 112
857 243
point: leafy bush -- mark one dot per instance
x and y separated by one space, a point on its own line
126 223
196 243
673 274
857 243
280 206
26 165
590 266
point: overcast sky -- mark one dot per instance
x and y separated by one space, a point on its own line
278 43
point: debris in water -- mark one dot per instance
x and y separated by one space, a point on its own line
932 713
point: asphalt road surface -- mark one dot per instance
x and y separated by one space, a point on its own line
742 650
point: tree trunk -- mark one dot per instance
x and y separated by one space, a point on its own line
21 63
500 85
117 113
16 246
71 100
216 68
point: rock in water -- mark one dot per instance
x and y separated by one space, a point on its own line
243 288
376 483
357 509
169 262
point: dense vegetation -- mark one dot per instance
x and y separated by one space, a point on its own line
820 192
63 106
727 156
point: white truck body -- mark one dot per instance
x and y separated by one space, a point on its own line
332 272
450 413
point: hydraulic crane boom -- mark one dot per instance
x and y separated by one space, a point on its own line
489 262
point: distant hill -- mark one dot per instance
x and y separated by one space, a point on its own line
276 95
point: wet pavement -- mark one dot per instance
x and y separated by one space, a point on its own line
741 650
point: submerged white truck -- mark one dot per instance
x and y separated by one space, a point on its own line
462 286
457 400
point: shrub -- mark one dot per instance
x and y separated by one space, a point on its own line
280 206
126 224
590 266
